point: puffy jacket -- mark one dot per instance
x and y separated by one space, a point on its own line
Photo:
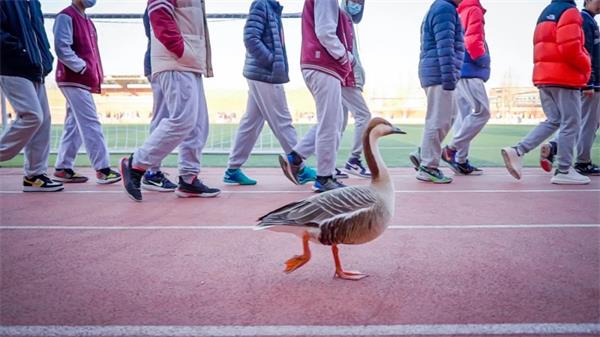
592 45
148 31
477 54
442 46
266 57
560 58
23 41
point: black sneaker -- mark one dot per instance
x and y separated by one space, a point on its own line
468 170
324 184
67 175
156 181
131 178
415 158
587 169
41 183
195 190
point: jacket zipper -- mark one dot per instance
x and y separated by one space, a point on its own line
37 42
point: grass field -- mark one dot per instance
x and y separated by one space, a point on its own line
485 151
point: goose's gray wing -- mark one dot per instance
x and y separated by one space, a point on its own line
325 208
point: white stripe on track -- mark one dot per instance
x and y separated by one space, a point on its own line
251 227
311 193
545 329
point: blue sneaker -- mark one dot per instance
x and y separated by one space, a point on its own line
158 182
306 175
237 177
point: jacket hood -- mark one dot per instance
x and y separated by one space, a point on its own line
470 3
355 18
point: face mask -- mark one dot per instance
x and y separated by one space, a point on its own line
89 3
353 8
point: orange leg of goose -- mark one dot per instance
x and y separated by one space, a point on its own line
299 260
341 273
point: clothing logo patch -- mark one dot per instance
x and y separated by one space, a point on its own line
551 17
318 54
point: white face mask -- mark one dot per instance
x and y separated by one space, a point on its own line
88 3
353 8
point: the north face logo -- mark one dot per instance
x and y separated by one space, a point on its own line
551 17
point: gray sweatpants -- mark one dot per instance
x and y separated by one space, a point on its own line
266 102
159 111
31 127
327 92
563 112
81 125
590 120
186 126
353 102
473 114
441 109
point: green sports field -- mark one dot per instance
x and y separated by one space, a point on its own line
485 149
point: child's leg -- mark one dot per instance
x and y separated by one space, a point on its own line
441 108
590 118
474 116
569 106
353 99
70 142
248 132
180 90
190 150
159 111
272 104
327 91
545 129
84 110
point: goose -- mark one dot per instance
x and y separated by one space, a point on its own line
351 215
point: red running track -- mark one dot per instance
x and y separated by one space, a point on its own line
485 254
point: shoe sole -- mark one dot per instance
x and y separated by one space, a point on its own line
287 170
69 181
123 169
183 194
154 188
545 153
41 189
569 182
429 180
415 161
508 165
107 181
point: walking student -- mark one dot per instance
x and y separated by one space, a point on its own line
25 63
79 75
562 68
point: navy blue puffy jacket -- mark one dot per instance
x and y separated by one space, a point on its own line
23 41
592 45
442 46
266 58
147 30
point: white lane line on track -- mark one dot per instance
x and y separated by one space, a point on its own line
545 329
311 193
251 227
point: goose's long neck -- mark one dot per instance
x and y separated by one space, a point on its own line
379 172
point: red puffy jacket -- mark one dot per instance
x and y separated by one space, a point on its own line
559 54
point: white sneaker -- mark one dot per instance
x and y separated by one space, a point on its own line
512 161
572 177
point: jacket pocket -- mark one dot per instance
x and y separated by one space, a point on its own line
194 54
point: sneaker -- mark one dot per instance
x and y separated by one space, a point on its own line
306 175
512 161
467 169
289 169
237 177
547 153
571 177
355 167
158 182
432 175
415 158
587 169
449 156
324 184
339 174
68 176
41 183
107 176
131 178
195 190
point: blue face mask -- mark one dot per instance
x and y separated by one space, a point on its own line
89 3
353 8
